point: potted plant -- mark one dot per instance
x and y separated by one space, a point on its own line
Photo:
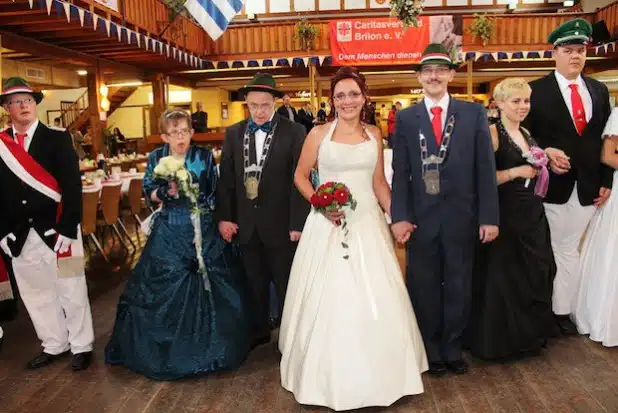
306 33
407 11
482 27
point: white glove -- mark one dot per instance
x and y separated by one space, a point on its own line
63 244
5 245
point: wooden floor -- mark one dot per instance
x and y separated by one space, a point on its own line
572 375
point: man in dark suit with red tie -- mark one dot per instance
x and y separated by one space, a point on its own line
567 117
444 199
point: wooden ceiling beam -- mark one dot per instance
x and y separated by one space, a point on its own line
103 48
50 51
41 29
17 8
74 32
72 42
27 20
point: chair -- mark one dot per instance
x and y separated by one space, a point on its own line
90 202
136 190
125 166
110 210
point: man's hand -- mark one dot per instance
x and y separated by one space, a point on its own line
295 236
5 245
227 230
604 194
63 244
558 161
488 233
402 231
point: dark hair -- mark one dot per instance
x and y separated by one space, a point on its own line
349 72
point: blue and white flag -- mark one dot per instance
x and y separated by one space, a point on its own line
214 15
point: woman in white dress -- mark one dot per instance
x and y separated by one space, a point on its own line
348 337
596 309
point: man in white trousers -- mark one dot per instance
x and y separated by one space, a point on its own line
567 116
42 196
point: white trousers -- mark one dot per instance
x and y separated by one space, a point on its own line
567 224
59 307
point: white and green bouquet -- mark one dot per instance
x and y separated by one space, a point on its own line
172 169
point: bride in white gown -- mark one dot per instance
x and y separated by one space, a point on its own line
596 308
348 337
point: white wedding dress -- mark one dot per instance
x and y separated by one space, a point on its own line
348 336
596 308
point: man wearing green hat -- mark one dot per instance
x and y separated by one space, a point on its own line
567 117
444 199
258 204
42 197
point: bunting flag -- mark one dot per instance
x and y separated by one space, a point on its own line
214 15
80 13
150 44
67 11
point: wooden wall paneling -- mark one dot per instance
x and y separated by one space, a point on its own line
289 35
272 39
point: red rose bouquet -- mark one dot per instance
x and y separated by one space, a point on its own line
333 197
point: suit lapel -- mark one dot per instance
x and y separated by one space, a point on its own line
273 143
594 97
554 94
425 126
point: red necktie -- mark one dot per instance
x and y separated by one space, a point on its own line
579 113
436 123
21 139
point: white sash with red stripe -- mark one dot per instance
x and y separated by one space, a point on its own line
29 171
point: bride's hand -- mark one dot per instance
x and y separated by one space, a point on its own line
334 216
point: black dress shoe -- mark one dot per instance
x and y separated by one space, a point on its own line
437 368
457 366
43 359
566 325
81 361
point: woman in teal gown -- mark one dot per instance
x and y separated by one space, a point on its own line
172 321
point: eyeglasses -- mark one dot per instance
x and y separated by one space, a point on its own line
20 102
440 70
254 107
340 97
181 134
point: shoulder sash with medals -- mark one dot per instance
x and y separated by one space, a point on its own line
253 173
431 164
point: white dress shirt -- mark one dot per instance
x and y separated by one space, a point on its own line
443 103
563 84
260 138
29 134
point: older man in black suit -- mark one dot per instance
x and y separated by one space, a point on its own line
567 117
258 204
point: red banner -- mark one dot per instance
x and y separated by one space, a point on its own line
365 42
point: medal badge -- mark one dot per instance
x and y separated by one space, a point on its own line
251 187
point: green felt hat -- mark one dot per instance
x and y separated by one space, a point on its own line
14 85
262 82
577 31
436 54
